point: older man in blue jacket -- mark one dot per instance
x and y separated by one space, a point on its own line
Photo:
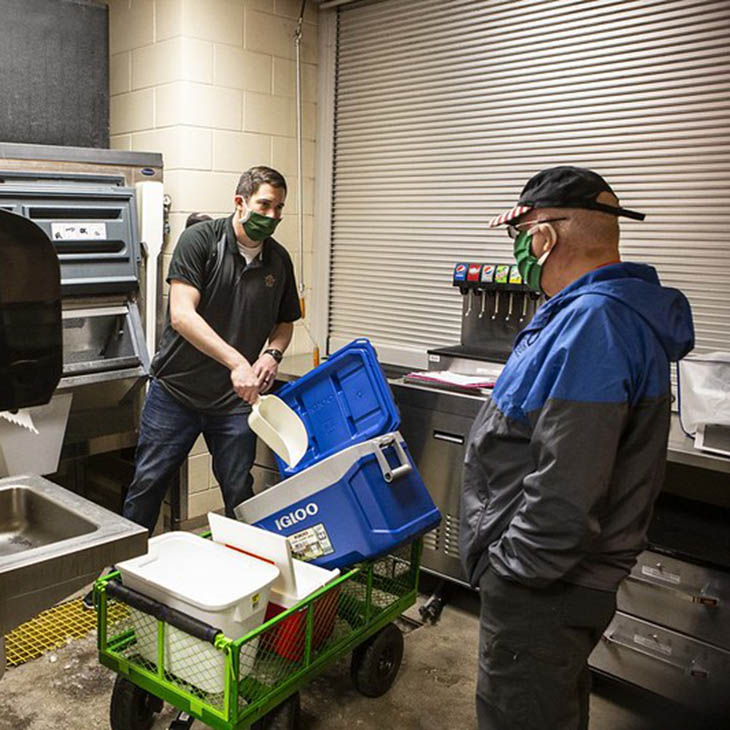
566 459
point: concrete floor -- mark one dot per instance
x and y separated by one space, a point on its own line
69 689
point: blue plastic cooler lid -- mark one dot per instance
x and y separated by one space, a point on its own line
343 401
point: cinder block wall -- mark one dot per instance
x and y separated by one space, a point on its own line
211 85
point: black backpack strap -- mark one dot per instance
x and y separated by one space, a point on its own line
215 257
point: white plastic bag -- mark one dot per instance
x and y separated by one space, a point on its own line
704 390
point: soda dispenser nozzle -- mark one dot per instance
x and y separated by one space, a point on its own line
515 284
472 280
486 280
501 279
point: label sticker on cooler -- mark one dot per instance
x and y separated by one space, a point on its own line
514 276
501 275
460 272
474 271
488 273
312 543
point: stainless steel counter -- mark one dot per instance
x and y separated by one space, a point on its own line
680 448
53 543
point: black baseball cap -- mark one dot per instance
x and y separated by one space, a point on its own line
564 187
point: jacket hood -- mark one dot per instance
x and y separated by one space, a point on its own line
637 286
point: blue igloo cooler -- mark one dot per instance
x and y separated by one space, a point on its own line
344 401
354 505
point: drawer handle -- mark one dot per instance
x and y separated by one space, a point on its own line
693 670
452 438
692 596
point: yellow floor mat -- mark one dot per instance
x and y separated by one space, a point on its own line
52 629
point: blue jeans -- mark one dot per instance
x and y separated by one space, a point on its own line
167 432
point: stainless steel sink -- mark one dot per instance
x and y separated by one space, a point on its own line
29 519
52 543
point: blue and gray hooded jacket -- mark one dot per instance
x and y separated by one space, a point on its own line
565 460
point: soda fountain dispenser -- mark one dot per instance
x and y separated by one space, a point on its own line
497 305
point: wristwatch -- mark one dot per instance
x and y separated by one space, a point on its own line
276 354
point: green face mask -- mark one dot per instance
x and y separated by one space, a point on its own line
529 267
258 227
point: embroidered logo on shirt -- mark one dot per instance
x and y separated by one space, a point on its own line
269 280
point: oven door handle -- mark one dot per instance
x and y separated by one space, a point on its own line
693 669
452 438
685 594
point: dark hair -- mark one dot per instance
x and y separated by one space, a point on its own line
255 177
194 218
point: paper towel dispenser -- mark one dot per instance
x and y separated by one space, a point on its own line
31 340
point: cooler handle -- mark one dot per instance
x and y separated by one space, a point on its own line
404 467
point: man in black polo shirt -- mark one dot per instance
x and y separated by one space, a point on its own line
232 290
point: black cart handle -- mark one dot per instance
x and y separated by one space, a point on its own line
193 626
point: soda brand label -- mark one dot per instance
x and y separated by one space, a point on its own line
488 273
474 270
460 272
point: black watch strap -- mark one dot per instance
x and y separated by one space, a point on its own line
276 354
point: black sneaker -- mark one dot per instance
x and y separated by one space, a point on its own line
88 600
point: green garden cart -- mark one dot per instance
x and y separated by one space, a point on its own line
253 681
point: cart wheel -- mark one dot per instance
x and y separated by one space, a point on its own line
282 717
376 662
131 707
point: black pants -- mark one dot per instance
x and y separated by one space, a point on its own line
533 651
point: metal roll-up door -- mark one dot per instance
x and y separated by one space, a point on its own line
444 109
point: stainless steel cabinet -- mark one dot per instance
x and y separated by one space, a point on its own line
436 427
690 598
667 662
671 632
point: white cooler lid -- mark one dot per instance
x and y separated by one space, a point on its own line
296 579
257 543
309 578
199 571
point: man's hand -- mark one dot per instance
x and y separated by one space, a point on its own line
265 368
246 382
